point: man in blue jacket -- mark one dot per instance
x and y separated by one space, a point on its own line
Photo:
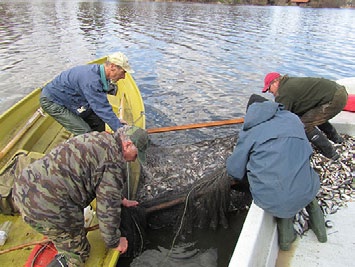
274 153
77 98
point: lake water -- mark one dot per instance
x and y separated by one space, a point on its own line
193 62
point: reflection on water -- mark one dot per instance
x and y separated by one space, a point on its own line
205 248
179 256
193 62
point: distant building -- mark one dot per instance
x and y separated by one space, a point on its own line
322 3
300 2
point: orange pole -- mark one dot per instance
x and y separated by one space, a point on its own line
195 125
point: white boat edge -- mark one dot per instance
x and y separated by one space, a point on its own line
257 244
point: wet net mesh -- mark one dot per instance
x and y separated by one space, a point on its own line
186 186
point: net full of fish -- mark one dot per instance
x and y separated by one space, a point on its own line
175 169
179 166
337 183
196 175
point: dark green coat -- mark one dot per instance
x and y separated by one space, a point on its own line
300 94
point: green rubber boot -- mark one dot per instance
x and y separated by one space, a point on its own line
286 233
316 221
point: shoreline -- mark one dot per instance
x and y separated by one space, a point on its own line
281 3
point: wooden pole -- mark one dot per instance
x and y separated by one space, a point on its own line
38 113
165 205
195 125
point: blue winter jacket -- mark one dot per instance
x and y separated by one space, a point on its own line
273 150
81 88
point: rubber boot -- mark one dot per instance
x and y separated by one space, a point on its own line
319 140
286 233
58 261
331 133
316 221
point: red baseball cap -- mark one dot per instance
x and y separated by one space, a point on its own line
269 78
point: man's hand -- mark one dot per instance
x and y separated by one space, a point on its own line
123 245
129 203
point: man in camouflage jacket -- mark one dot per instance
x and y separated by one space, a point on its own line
52 192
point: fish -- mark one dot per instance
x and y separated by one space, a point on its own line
336 179
177 168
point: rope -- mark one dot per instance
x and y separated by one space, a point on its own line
181 223
142 114
140 233
42 242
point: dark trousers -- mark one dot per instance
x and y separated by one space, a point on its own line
321 114
71 121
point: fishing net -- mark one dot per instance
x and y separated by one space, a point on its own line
183 187
187 186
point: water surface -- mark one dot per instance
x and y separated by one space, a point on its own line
193 62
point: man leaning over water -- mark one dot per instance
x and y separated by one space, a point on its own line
52 192
273 152
77 98
315 101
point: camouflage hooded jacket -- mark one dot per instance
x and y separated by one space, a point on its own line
56 188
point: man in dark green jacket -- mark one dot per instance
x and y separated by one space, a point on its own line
315 101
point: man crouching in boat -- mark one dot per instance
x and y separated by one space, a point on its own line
274 152
77 98
52 192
